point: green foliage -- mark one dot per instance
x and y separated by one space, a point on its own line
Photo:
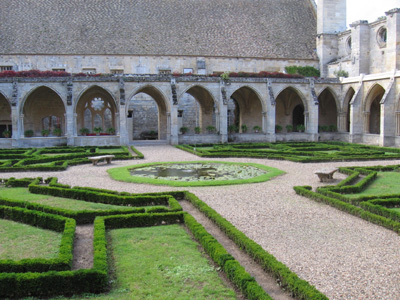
289 280
211 129
244 128
341 73
28 133
197 130
376 208
61 157
278 128
183 130
307 71
295 151
84 131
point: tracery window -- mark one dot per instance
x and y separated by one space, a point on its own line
51 122
98 113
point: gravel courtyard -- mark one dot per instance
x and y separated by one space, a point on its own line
343 256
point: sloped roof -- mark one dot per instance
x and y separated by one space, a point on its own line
232 28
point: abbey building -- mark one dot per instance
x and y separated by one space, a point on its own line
186 71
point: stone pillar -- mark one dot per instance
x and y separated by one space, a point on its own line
122 126
342 121
174 140
392 49
360 46
15 120
223 123
21 126
366 122
397 123
70 125
169 127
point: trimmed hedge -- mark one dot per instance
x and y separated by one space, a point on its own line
297 151
301 289
235 272
37 160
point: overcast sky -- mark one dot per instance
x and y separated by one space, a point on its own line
368 9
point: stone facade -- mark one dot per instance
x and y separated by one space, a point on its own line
138 46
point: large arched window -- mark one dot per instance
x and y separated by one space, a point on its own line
98 114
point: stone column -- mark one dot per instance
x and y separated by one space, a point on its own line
366 122
21 126
223 123
70 125
174 138
342 118
122 128
15 120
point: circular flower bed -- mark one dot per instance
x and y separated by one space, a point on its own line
195 173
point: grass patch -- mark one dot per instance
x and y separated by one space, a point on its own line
20 241
385 183
23 194
123 174
161 262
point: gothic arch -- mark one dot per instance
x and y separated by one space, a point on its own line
372 109
5 115
346 108
43 108
96 108
33 90
148 110
289 105
250 107
199 109
328 108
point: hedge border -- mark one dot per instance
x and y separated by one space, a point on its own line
369 208
307 152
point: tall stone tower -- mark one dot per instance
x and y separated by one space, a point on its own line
331 19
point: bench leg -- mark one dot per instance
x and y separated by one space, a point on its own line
94 162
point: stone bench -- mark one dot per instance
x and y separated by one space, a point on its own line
326 174
96 159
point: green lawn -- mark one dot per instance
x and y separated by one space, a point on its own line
385 183
23 194
19 241
161 263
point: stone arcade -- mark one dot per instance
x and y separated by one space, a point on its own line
139 48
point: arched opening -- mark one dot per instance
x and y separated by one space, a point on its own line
248 108
44 113
298 117
5 118
147 115
197 111
327 111
289 112
346 108
373 109
96 112
233 116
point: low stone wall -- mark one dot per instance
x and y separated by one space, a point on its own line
371 139
5 143
40 142
199 138
97 141
296 137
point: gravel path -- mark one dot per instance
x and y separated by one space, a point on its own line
343 256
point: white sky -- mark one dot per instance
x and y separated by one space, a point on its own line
369 10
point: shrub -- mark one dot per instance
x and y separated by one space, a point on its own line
28 133
307 71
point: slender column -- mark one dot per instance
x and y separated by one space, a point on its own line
174 125
366 122
342 121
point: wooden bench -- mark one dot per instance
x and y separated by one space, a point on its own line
96 159
326 175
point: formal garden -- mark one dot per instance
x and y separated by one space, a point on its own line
59 158
304 152
175 256
166 260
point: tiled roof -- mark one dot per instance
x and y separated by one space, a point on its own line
233 28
